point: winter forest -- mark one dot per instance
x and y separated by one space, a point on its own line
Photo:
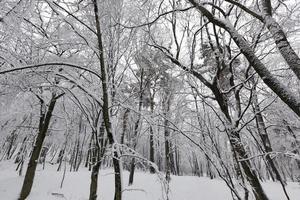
150 99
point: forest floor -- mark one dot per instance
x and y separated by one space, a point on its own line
146 186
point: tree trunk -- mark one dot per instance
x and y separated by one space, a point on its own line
167 103
271 81
132 169
43 128
279 36
296 143
167 152
21 151
76 159
266 141
252 178
239 152
100 150
94 181
12 139
151 139
177 161
132 163
151 146
89 154
105 108
136 127
125 122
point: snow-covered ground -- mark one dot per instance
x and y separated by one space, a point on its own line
146 186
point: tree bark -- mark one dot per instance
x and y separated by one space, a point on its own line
151 139
279 36
105 108
125 122
43 128
167 103
283 45
132 169
136 126
296 143
94 181
266 141
100 150
271 81
12 140
251 177
277 32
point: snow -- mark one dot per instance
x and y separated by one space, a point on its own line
146 186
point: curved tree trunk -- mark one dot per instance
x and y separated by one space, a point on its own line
279 36
277 32
271 81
